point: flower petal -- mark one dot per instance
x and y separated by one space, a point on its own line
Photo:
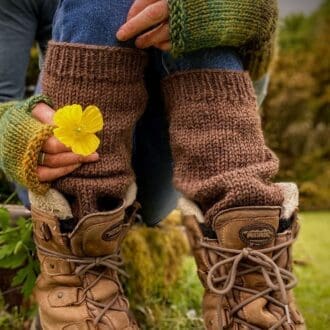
86 145
65 135
92 119
69 116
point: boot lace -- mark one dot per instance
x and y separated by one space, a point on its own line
87 265
276 278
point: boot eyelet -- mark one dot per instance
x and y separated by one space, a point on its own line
46 232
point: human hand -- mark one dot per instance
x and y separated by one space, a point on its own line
57 159
150 16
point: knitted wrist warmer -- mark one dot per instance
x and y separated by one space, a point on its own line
111 78
220 157
249 25
21 139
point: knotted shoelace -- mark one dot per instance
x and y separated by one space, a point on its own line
86 265
276 278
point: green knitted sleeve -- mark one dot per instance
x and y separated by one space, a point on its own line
21 139
248 25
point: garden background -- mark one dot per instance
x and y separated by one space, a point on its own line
296 119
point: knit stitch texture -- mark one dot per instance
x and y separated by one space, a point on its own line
249 25
220 157
21 139
112 79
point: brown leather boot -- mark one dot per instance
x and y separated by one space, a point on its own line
78 288
245 267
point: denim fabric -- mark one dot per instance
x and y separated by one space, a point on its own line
21 23
97 23
91 22
216 58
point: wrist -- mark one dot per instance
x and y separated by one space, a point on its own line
21 140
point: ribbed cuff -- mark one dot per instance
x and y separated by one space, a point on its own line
28 173
91 62
247 25
207 85
177 27
21 141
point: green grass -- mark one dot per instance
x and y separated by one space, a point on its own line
313 249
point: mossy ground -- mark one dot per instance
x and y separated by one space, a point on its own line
157 256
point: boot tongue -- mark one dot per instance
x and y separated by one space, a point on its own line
99 234
253 227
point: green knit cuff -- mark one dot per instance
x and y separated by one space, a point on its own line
21 139
258 62
249 25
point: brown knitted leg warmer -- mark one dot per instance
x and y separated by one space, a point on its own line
221 160
112 79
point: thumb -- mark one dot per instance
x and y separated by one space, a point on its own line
43 113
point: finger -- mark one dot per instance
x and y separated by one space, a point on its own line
46 174
165 46
150 16
154 37
67 159
138 6
43 113
54 146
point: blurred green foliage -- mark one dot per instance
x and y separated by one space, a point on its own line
296 113
17 251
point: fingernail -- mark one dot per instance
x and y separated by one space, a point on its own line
120 35
96 156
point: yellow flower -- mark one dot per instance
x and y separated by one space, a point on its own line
76 128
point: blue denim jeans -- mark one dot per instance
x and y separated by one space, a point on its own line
21 24
96 23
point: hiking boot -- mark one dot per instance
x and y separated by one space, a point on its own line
79 288
245 266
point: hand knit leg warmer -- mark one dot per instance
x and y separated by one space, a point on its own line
220 157
112 79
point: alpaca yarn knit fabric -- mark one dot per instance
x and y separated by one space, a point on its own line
21 139
220 157
112 79
249 25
